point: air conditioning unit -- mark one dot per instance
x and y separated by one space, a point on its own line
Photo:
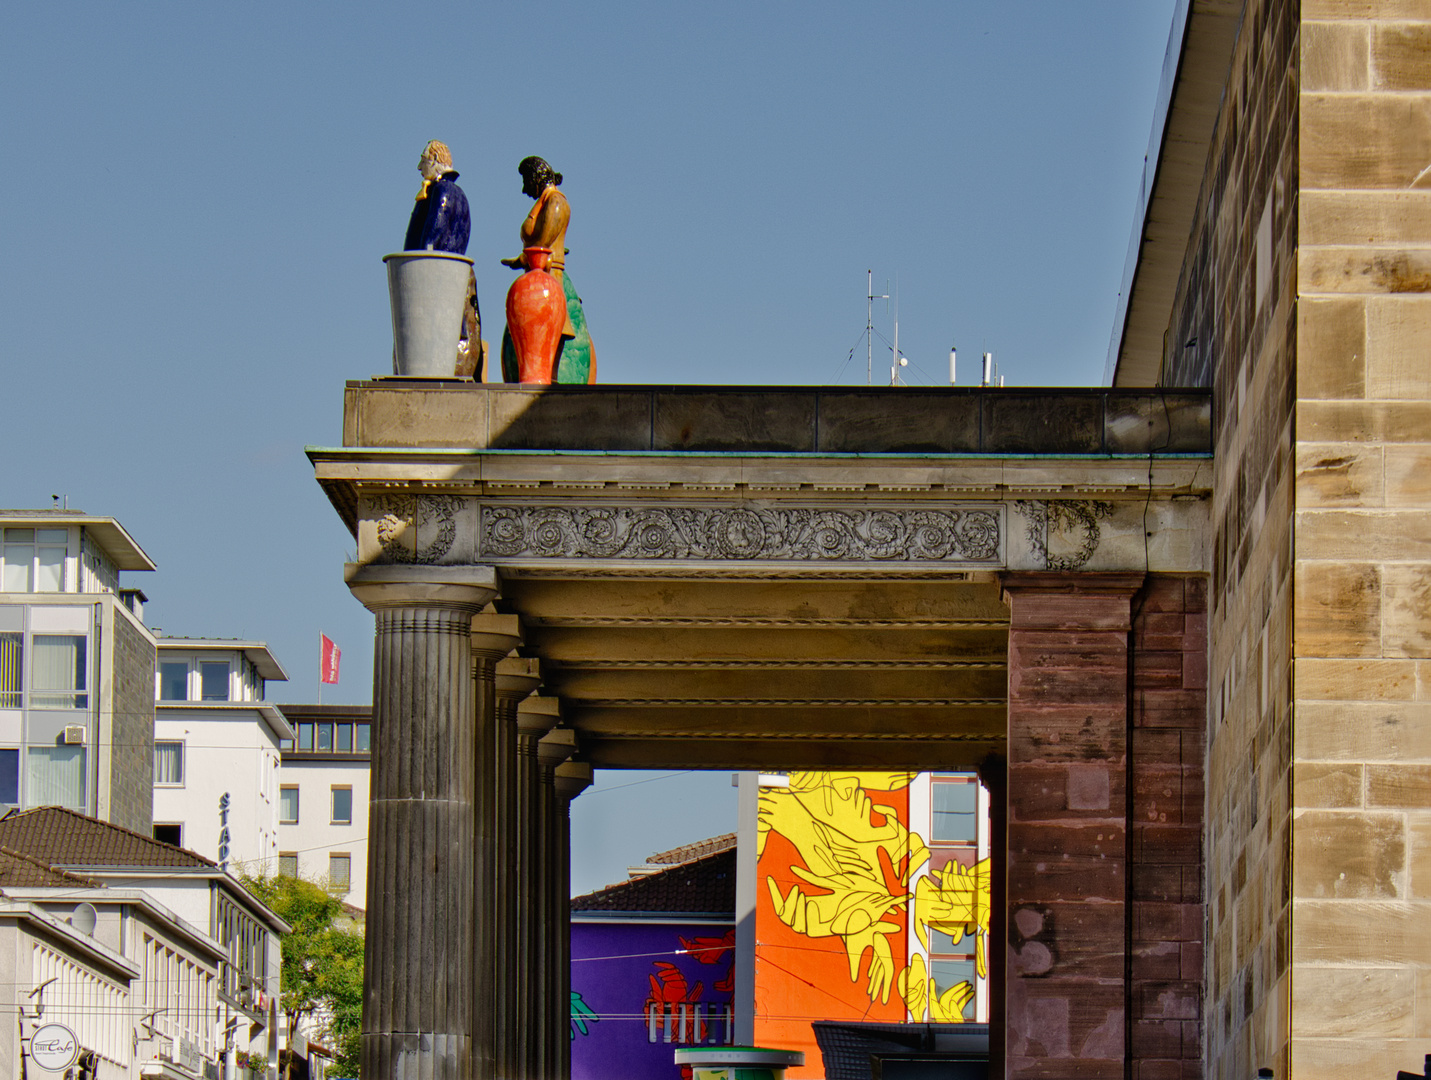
75 734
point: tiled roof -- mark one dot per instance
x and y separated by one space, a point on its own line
59 837
705 886
701 848
19 871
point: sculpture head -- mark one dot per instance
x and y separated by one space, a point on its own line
537 176
435 161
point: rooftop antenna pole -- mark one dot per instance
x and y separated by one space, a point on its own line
870 298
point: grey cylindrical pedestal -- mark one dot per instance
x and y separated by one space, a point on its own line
427 290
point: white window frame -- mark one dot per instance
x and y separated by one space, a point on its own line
183 763
298 807
347 886
333 818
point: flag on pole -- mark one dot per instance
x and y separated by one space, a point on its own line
328 665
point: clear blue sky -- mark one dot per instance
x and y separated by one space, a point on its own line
195 198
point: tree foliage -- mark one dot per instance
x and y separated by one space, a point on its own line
322 975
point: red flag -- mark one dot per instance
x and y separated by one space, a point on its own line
328 672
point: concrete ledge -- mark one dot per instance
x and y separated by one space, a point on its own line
415 413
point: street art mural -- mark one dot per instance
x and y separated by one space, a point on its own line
859 916
646 989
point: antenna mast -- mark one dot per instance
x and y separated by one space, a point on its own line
870 298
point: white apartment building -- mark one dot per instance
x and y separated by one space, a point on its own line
76 668
216 751
323 798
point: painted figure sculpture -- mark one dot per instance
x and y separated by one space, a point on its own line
546 339
442 221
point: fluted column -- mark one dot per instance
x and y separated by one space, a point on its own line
517 677
421 986
493 637
554 859
535 717
569 780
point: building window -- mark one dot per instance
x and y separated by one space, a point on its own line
956 810
344 741
169 834
948 974
9 777
325 736
362 738
340 873
174 680
214 677
34 560
288 806
342 806
288 864
57 678
169 763
12 683
305 736
56 776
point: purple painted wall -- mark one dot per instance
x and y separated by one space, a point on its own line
653 988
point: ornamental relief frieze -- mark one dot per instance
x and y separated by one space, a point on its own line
746 533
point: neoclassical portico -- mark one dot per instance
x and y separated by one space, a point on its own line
741 578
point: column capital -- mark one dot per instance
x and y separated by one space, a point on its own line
494 636
517 677
556 746
455 588
571 778
537 715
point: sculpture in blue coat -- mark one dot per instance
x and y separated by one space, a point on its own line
440 219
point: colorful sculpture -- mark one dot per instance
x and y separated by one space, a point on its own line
442 221
546 340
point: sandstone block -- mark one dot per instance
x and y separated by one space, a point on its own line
1393 218
1364 421
1326 784
1364 140
1406 616
1419 831
1401 56
1331 347
1364 270
1329 1001
1364 534
1334 56
1339 474
1398 330
1402 786
1355 680
1338 609
1359 932
1407 474
1348 855
1362 731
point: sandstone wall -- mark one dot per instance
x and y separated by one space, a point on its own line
1234 327
1361 984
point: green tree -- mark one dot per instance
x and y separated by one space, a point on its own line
322 964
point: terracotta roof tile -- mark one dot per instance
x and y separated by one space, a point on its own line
19 871
59 837
705 886
686 852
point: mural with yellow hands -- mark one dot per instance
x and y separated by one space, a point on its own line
853 859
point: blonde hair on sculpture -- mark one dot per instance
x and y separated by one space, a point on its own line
436 159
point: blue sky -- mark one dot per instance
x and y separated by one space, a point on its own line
195 199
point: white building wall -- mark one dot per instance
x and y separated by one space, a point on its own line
315 838
229 791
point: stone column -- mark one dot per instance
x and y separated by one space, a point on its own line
570 780
421 986
554 868
535 717
1067 953
493 637
517 677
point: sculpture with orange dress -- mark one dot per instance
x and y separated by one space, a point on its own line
546 340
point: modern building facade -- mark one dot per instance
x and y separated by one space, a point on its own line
76 667
214 987
323 798
216 751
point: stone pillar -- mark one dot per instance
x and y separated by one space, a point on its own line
535 717
1066 997
570 780
554 868
493 637
422 987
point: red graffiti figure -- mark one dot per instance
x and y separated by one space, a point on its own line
669 991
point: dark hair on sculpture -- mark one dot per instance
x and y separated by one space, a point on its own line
537 169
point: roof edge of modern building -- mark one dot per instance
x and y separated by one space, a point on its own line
256 652
113 537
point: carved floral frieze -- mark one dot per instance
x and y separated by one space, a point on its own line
798 534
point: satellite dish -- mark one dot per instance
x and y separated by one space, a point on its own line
84 919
